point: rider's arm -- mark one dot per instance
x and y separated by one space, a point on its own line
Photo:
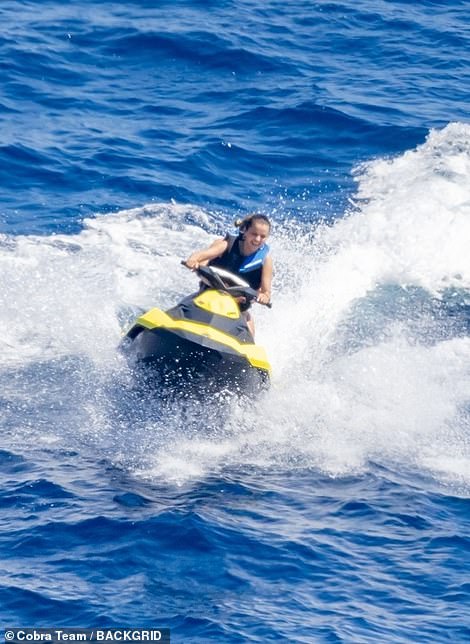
201 257
264 291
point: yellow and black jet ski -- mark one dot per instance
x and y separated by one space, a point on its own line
204 338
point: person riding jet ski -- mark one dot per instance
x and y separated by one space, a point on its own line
246 255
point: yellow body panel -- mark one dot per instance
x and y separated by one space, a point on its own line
156 318
218 303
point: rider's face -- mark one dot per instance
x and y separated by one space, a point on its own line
255 236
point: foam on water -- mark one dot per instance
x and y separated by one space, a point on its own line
64 294
363 371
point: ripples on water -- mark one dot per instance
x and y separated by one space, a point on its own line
333 509
229 106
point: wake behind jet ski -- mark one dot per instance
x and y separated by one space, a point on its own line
205 339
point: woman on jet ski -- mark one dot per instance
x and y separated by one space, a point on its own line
246 255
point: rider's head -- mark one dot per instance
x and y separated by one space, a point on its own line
252 219
254 231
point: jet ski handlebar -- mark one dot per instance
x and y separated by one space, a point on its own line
223 280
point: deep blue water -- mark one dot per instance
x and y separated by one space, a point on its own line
334 508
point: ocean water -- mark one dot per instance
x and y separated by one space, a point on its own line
336 506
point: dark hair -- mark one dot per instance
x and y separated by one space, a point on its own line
246 223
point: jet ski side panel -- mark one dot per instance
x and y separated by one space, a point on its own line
183 355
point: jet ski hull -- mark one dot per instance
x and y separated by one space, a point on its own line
204 339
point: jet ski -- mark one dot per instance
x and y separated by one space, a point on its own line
202 340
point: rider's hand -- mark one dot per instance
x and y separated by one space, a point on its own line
263 298
192 264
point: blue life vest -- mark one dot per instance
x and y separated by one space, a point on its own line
248 267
